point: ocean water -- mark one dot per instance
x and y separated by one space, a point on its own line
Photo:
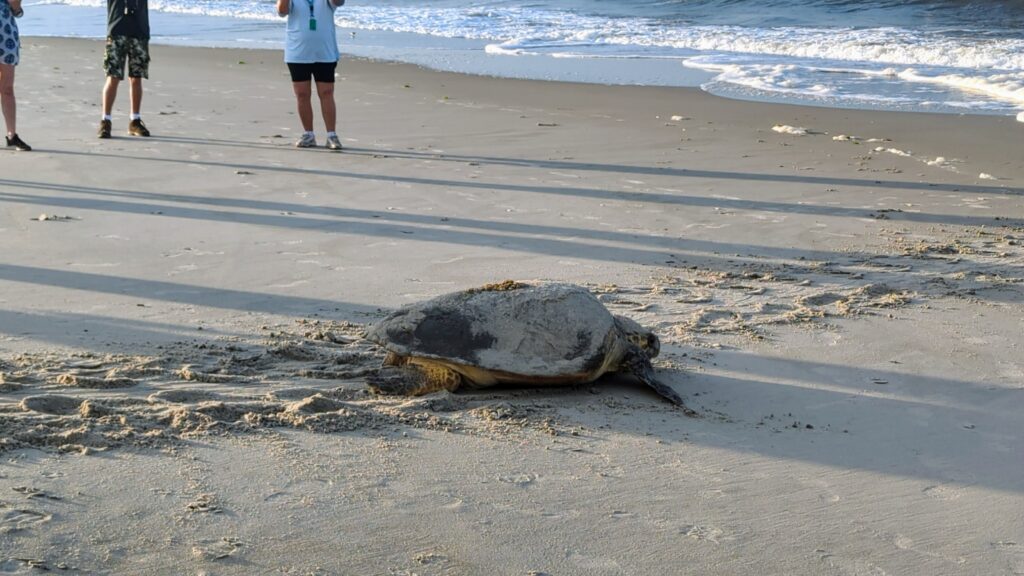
954 56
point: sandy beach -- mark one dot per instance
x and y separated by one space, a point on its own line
839 294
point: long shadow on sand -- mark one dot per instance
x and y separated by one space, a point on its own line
541 239
677 199
652 197
944 441
603 167
687 173
174 292
945 432
71 329
284 143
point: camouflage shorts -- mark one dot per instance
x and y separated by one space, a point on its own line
123 48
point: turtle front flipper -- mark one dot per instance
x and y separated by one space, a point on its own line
638 364
411 379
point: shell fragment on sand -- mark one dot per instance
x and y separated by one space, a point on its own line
793 130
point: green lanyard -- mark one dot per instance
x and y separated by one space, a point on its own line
312 16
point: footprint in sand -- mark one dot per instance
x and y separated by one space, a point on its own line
942 492
444 402
823 299
430 557
51 404
32 492
15 519
696 298
182 396
520 480
204 503
226 547
844 566
774 308
290 394
715 319
295 351
193 375
94 383
9 386
1013 552
315 404
703 533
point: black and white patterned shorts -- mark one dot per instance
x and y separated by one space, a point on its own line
121 49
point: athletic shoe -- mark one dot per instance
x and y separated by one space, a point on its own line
104 131
333 143
306 141
137 128
17 143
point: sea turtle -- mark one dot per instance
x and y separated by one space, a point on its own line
512 332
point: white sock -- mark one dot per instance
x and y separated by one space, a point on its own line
136 116
107 117
310 133
332 134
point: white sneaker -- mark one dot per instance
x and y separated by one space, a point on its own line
333 143
306 141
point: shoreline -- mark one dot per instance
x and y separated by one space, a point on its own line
469 56
182 372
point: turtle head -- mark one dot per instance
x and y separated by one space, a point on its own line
641 337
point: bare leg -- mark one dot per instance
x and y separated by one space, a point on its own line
303 98
110 94
135 86
7 101
325 90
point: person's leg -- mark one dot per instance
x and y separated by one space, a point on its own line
110 94
135 87
8 104
113 64
324 76
302 77
136 127
303 99
114 56
138 68
323 73
325 91
7 101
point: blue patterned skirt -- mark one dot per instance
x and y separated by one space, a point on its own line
10 44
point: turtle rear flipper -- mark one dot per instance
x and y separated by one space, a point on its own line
639 365
413 380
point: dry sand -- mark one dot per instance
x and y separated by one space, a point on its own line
839 294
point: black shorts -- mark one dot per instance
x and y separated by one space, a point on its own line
322 71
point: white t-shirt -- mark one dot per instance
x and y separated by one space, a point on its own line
305 46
